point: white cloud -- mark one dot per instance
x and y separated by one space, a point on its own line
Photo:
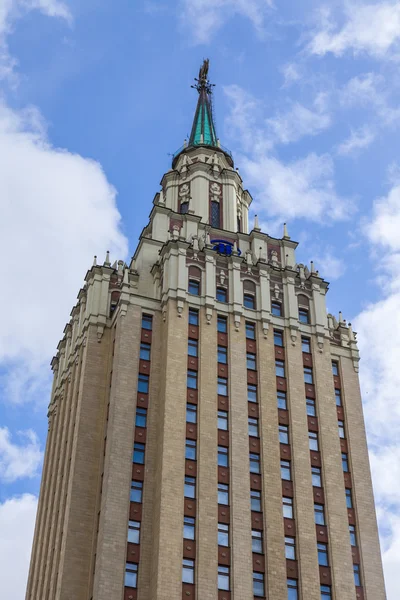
300 121
358 139
19 461
291 73
17 522
331 267
384 228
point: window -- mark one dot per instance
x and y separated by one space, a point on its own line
254 463
145 351
223 420
222 294
147 322
189 528
190 487
345 462
283 434
222 355
281 398
184 208
222 324
222 386
352 531
223 494
285 470
136 491
322 555
338 397
194 287
308 375
290 548
303 315
310 404
131 570
250 331
223 456
278 338
349 499
292 589
193 348
143 384
138 453
326 592
313 441
306 345
238 224
279 368
223 578
134 532
223 534
187 571
192 380
258 585
316 476
193 316
357 578
257 541
190 451
319 514
251 392
253 427
141 417
335 368
287 507
255 500
276 309
249 301
251 361
191 413
341 429
215 214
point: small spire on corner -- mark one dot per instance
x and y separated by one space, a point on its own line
256 224
107 262
95 261
286 235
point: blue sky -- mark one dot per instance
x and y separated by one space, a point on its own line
96 95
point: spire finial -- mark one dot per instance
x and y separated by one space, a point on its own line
203 129
107 262
256 224
286 235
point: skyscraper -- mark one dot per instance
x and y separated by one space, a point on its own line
206 435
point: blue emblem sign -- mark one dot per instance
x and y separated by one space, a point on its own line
223 247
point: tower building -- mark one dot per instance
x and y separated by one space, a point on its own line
206 434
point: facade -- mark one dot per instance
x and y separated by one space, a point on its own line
206 435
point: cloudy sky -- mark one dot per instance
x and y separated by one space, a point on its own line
94 98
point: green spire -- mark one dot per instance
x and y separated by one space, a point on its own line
203 129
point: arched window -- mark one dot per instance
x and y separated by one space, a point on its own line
249 294
215 214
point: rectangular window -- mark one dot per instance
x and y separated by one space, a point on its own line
136 491
352 531
131 571
258 585
254 463
316 476
193 348
147 322
192 379
249 301
145 351
255 500
189 526
319 514
281 398
223 535
257 541
308 375
349 499
250 331
345 462
222 324
223 420
338 397
283 434
222 355
251 392
223 458
222 294
141 417
187 571
253 427
304 316
143 384
326 593
222 386
191 413
194 287
223 578
134 532
310 404
306 345
335 368
278 338
193 316
290 548
292 589
276 309
357 578
323 555
190 450
138 453
190 487
341 429
287 507
279 368
313 441
251 361
223 494
285 470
